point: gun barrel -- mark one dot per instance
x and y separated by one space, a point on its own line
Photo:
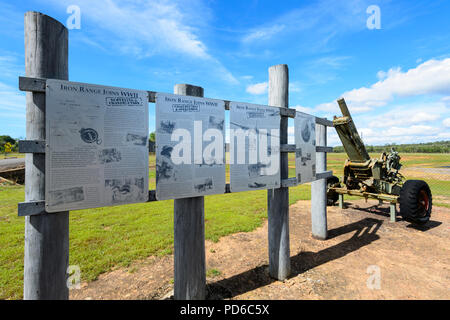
344 108
352 142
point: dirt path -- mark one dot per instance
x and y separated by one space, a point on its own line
11 163
413 263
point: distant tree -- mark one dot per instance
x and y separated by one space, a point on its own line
152 137
5 139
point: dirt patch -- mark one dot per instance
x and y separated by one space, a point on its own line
413 262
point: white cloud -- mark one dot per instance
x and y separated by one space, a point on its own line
414 122
382 75
263 33
303 109
9 67
258 88
12 111
333 62
430 77
310 27
12 102
444 135
294 87
410 115
146 28
446 122
412 134
149 26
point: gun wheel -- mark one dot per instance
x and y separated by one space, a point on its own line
332 196
415 201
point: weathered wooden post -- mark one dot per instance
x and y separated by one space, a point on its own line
341 201
278 199
392 211
189 235
46 255
319 189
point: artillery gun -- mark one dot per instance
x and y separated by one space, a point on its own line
376 178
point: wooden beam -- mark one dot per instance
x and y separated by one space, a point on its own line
37 85
324 149
324 122
287 148
32 84
31 146
324 175
31 208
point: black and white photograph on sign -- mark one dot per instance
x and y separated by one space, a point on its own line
126 190
254 147
190 146
305 147
97 146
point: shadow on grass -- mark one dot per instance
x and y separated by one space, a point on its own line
365 233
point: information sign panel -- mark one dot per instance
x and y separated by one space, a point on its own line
97 146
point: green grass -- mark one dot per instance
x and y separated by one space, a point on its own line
211 273
12 155
106 238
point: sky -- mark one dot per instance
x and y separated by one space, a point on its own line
393 69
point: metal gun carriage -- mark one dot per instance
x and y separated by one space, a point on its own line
376 178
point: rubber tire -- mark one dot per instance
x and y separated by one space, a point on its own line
409 207
332 196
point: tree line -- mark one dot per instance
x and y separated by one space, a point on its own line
428 147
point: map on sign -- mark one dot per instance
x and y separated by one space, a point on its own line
97 146
305 147
190 146
254 147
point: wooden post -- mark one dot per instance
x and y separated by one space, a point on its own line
341 201
46 255
278 199
393 213
319 189
189 235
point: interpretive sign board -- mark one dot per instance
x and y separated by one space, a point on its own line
190 146
97 146
254 147
305 147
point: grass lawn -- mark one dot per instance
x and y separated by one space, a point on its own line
104 238
12 155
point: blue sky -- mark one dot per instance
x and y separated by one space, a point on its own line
396 80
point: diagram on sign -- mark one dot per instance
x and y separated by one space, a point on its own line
190 146
254 147
305 147
97 146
